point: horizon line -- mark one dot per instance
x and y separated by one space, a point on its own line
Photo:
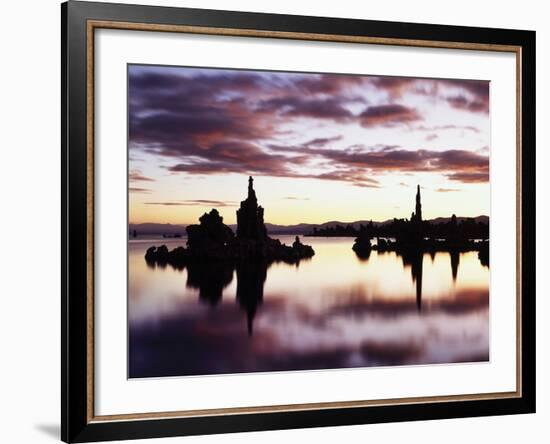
321 223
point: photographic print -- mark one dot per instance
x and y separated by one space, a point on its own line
285 221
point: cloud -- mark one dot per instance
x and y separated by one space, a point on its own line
436 128
295 198
329 84
394 86
136 176
468 95
355 164
474 95
388 115
331 108
461 159
462 102
322 141
478 88
446 190
470 177
409 160
179 112
210 121
195 202
358 164
355 176
237 157
138 190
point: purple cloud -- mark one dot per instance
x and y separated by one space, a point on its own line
388 115
208 121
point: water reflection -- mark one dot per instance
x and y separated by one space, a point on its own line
250 289
455 262
335 310
415 259
210 279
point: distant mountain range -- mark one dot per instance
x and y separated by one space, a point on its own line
154 229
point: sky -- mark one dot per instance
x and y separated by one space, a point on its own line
321 147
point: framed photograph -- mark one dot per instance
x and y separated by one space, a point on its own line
276 221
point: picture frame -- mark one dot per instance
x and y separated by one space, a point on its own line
79 180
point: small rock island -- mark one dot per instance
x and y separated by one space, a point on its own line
211 239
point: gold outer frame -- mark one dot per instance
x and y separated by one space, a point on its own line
92 25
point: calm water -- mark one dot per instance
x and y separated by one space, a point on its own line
332 311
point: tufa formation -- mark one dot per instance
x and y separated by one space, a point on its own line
417 235
211 239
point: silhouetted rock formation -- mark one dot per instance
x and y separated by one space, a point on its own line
383 245
418 208
212 239
177 257
362 246
250 217
299 250
337 230
214 253
469 227
418 235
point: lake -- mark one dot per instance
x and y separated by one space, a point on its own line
332 311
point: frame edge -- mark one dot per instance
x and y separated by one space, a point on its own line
75 427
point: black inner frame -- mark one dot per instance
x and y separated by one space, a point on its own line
74 423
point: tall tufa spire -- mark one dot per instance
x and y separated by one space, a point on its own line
251 192
418 212
250 217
